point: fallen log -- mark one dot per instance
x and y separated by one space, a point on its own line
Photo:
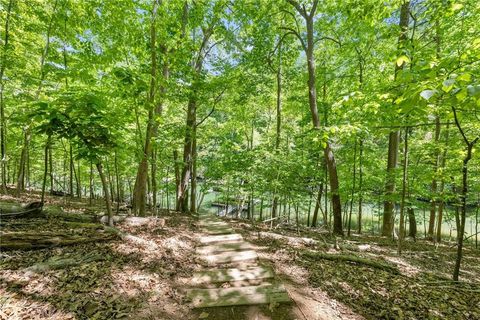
352 260
33 209
42 240
54 213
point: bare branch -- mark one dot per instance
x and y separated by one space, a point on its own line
457 123
328 38
217 99
302 42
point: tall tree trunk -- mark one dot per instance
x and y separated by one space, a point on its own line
50 161
394 137
312 99
78 181
23 160
193 187
3 129
154 177
360 187
461 231
278 120
404 192
182 204
318 203
433 202
91 183
106 192
353 187
45 169
441 203
177 175
71 171
154 109
27 129
191 127
412 224
117 179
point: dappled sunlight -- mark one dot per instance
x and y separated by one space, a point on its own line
14 306
405 267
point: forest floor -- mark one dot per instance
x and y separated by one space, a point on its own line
140 276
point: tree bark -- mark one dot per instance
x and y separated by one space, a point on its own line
3 129
433 203
317 206
441 203
106 192
404 192
389 204
461 231
45 169
190 142
353 187
312 99
154 109
26 131
278 120
360 187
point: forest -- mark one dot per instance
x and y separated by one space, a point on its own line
239 159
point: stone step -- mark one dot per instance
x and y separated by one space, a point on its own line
223 247
221 297
231 275
225 238
229 257
215 231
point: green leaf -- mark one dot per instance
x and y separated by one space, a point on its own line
457 6
465 77
402 59
427 94
448 85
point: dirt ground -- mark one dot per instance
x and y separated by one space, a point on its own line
142 276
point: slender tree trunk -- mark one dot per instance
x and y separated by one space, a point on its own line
441 203
3 128
360 187
193 187
328 152
154 177
106 192
177 176
71 172
182 204
389 205
27 129
404 192
318 203
278 120
433 203
91 183
117 179
461 231
353 186
23 159
45 169
154 109
50 151
412 224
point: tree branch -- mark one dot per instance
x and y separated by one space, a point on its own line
328 38
302 42
457 123
217 99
